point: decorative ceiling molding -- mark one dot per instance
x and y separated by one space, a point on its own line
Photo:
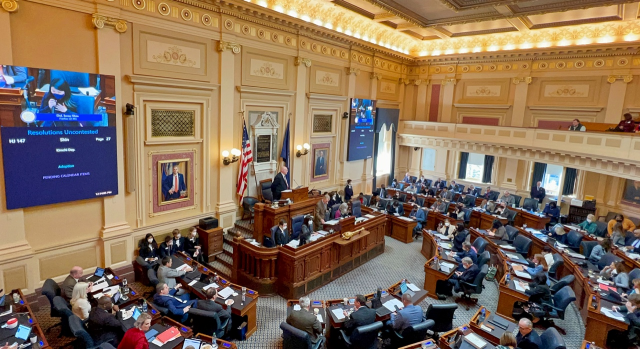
526 79
354 71
10 5
305 61
232 46
625 78
99 21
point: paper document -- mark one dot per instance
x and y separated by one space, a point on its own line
293 243
576 255
407 219
549 258
332 222
475 340
286 191
225 293
442 237
633 255
507 247
322 232
192 282
338 313
445 269
319 318
448 265
182 267
296 307
612 314
396 214
486 328
523 274
603 281
391 304
214 285
8 311
521 288
561 245
97 295
512 256
109 276
413 287
314 237
445 245
370 216
360 219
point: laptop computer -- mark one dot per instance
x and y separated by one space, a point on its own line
195 343
116 297
96 275
404 289
136 313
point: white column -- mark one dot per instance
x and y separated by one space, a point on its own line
421 100
299 131
447 100
561 186
520 101
615 101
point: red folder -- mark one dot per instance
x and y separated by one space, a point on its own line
168 335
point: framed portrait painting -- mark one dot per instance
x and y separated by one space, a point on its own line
631 193
320 163
173 181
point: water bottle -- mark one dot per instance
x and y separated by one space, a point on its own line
215 277
508 278
144 305
483 314
214 341
244 292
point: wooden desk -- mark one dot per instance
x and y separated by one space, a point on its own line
315 304
482 220
432 275
266 217
435 218
429 245
419 344
11 102
221 343
296 195
598 325
531 220
25 315
508 297
163 325
494 336
211 241
402 229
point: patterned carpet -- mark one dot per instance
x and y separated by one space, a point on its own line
383 271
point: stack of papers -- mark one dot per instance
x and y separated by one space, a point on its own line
406 219
612 314
521 288
475 340
214 285
442 237
293 243
255 243
166 336
512 256
561 245
182 267
332 222
603 281
523 274
370 216
338 313
391 304
445 245
413 287
296 307
507 247
225 293
193 282
633 255
396 214
322 232
360 219
576 255
314 237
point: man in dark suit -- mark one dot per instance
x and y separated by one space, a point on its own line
360 317
383 191
453 187
487 194
12 76
305 321
75 276
443 288
177 306
527 338
192 245
281 234
320 212
280 183
538 192
418 214
173 185
179 242
103 322
407 178
210 305
467 251
321 165
166 248
396 208
348 191
634 243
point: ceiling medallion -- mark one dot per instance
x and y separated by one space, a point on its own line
623 61
543 65
186 14
164 9
451 69
493 67
288 40
314 47
598 63
561 65
368 60
228 24
139 4
324 50
578 64
303 43
261 33
334 52
246 30
343 54
477 68
465 69
436 70
206 19
525 66
507 67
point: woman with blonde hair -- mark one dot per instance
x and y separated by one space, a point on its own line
135 337
343 211
79 302
507 341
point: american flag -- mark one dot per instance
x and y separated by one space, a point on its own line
245 160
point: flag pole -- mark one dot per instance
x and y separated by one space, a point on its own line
253 165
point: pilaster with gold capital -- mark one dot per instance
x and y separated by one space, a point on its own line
226 45
99 21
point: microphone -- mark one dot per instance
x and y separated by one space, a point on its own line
296 183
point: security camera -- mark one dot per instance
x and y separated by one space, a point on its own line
345 115
130 109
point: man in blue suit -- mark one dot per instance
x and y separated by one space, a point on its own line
409 315
12 76
418 214
173 185
177 305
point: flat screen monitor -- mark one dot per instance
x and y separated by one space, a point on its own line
362 119
23 332
65 125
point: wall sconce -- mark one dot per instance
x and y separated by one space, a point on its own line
306 147
234 152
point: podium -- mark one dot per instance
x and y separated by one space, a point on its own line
296 195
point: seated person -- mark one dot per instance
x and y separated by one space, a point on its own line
508 199
361 316
281 234
498 231
527 338
446 194
458 212
443 287
149 251
430 192
553 212
446 229
440 206
305 320
467 200
409 315
422 180
500 209
75 276
460 236
625 125
618 236
383 192
487 194
209 304
471 190
537 265
627 224
634 245
335 199
343 211
12 76
79 302
177 306
419 216
577 126
635 288
135 337
407 178
559 233
411 188
104 324
600 250
453 186
589 225
539 295
179 241
467 251
488 206
394 183
631 311
616 273
166 248
168 275
396 208
307 229
361 198
373 203
193 247
507 341
439 184
412 199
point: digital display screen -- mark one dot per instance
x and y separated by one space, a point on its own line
59 139
362 119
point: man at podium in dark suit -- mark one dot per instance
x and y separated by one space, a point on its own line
280 183
173 185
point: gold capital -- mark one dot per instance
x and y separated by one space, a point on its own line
300 60
354 71
377 76
99 21
625 78
225 45
10 5
526 79
449 81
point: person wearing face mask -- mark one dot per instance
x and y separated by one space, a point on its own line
149 250
104 324
627 224
58 101
552 212
631 311
342 212
166 248
396 209
192 246
589 225
446 229
282 235
178 240
335 199
498 231
307 229
348 191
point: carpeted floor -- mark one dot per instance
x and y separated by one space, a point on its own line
399 261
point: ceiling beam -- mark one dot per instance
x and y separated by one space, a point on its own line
408 26
439 32
523 23
630 11
385 16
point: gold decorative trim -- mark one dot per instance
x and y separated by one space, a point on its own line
164 9
354 71
376 76
225 45
10 5
299 60
625 78
99 21
526 79
404 81
417 82
446 82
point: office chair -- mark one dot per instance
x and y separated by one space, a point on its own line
477 191
442 315
294 338
551 339
510 215
522 245
83 338
629 238
50 289
480 244
561 301
429 182
607 259
356 209
269 241
530 204
265 191
565 281
363 337
62 307
333 211
467 215
165 312
574 239
367 200
587 246
512 232
296 226
459 188
247 205
483 258
469 289
420 201
470 200
634 274
402 197
401 186
518 199
494 195
208 322
411 334
552 273
601 229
